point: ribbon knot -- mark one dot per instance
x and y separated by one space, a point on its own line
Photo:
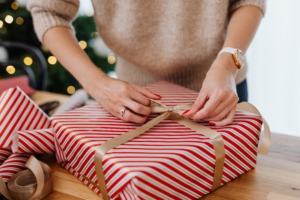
158 107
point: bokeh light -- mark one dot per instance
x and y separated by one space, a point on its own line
10 69
19 20
71 89
9 19
52 60
28 61
82 44
111 58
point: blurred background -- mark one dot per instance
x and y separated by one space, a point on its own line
273 57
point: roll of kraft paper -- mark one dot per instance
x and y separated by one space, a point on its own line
76 100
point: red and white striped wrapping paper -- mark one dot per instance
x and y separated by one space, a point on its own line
17 113
34 141
169 161
4 154
12 165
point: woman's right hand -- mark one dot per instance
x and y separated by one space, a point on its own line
115 95
112 94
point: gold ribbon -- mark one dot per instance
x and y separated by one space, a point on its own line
174 113
32 183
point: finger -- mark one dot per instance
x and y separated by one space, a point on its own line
199 103
146 92
128 116
137 107
222 110
225 121
230 101
220 116
209 106
139 98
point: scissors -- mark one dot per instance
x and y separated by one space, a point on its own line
49 106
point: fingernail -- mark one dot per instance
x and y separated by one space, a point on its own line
212 124
158 95
185 112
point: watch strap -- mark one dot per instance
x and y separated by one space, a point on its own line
228 50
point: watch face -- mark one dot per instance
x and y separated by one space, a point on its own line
241 58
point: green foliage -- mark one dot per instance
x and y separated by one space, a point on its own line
58 77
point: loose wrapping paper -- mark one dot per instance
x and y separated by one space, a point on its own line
17 112
169 161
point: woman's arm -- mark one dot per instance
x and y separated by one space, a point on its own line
114 95
217 99
52 22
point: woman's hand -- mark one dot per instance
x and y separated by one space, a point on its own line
115 95
217 99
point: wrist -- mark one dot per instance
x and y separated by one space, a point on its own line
92 78
225 61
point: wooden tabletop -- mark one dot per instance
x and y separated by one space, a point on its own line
276 177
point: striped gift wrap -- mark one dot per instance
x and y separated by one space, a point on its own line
169 161
17 113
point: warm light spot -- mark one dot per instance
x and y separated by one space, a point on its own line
89 14
19 20
9 19
94 35
111 58
28 61
10 69
15 5
71 89
52 60
82 44
1 23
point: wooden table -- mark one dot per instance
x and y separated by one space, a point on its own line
276 177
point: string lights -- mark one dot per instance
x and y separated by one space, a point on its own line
111 58
52 60
19 20
14 6
9 19
1 23
71 89
28 61
10 69
82 44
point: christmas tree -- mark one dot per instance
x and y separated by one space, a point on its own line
16 25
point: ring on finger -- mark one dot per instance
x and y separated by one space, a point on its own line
123 112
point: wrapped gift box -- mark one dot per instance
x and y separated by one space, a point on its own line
169 161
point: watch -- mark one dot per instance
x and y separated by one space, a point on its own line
237 54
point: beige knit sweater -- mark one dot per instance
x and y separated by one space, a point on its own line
173 40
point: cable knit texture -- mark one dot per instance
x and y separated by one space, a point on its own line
173 40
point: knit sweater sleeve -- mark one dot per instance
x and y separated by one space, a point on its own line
50 13
235 4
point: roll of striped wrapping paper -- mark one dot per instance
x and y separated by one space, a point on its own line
4 154
13 164
169 161
34 142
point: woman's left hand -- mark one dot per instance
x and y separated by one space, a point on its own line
217 99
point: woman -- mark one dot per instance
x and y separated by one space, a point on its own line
173 40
